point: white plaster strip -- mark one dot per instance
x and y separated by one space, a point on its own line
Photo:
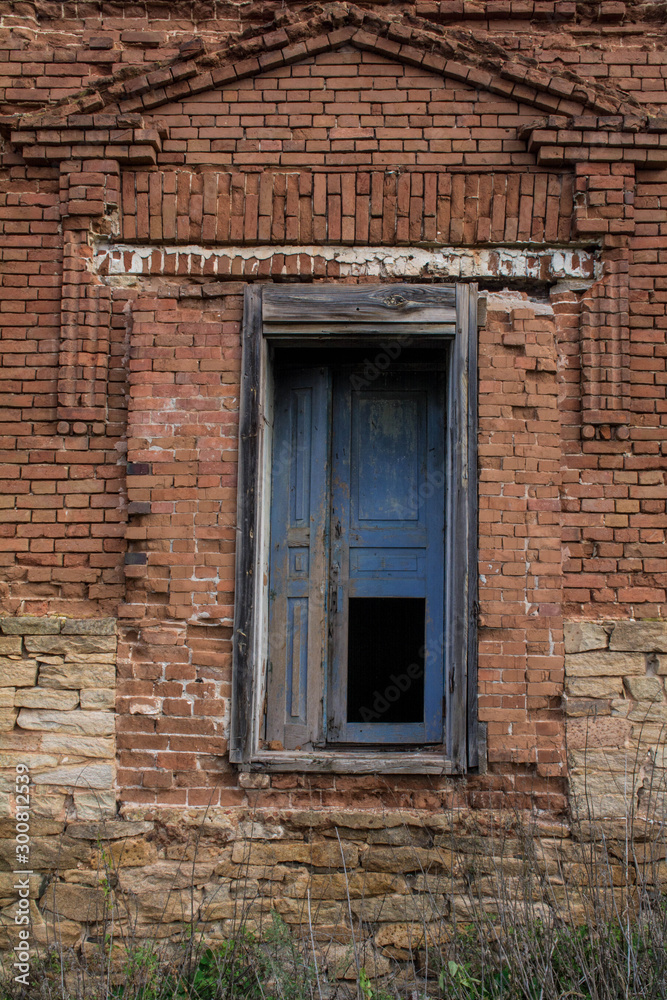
547 264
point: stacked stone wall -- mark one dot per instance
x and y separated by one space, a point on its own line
58 690
616 709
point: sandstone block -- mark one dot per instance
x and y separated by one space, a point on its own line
164 875
30 625
133 853
53 803
396 909
645 688
33 760
7 696
597 803
407 936
38 697
582 636
247 780
662 665
356 885
20 740
69 933
601 663
98 698
401 836
85 775
75 902
17 673
646 636
295 911
218 907
38 827
585 707
604 732
115 829
78 675
648 711
276 873
89 626
78 723
648 734
82 746
49 854
366 820
256 830
68 644
36 886
594 687
96 804
320 855
10 644
404 859
167 906
73 657
7 719
616 766
342 962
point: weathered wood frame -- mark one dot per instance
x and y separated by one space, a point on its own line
354 315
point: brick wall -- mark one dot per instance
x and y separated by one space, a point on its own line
150 169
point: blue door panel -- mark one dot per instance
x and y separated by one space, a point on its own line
387 516
299 509
385 456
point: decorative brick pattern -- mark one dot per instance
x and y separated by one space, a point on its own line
362 208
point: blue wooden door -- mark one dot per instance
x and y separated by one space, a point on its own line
387 559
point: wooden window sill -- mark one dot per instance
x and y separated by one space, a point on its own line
351 762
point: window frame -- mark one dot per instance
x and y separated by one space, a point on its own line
335 315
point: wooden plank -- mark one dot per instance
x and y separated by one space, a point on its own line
299 509
349 328
457 549
360 303
367 762
240 743
472 559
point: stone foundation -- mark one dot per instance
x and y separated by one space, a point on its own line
57 692
397 878
616 716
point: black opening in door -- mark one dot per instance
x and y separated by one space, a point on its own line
385 661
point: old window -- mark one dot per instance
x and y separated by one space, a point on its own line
354 633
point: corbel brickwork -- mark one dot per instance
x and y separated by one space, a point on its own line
604 207
89 193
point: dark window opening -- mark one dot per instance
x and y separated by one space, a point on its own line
385 663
